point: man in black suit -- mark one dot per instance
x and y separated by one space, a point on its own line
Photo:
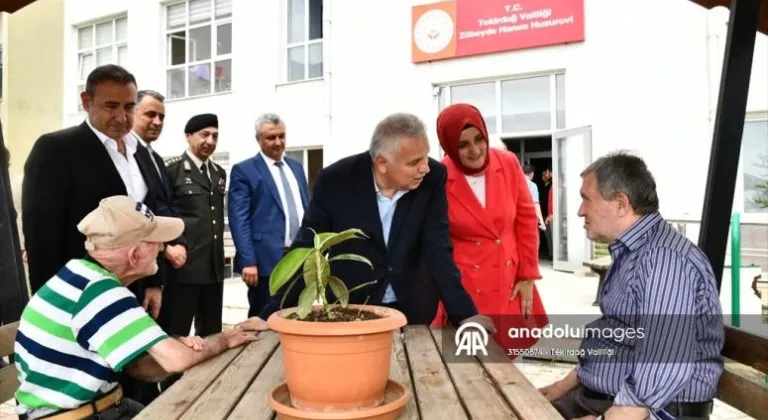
68 172
396 195
147 127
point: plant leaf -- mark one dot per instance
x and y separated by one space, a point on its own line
351 257
306 299
337 238
286 268
339 290
322 237
360 286
310 269
311 273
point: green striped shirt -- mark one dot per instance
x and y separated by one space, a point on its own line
77 331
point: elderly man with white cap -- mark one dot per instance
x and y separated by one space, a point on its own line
84 327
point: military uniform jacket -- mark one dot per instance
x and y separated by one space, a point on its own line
201 206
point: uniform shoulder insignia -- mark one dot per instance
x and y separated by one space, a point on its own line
173 160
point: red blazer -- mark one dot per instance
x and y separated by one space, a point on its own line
496 246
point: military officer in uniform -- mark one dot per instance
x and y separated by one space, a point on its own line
196 289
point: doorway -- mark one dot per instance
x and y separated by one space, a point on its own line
537 152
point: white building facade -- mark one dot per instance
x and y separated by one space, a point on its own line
643 77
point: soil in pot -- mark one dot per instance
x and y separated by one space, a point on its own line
337 314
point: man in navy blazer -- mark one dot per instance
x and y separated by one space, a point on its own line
395 193
268 195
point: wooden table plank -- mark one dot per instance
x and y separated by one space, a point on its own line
254 404
224 393
525 399
436 396
400 372
477 389
173 402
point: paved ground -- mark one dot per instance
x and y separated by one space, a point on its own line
562 293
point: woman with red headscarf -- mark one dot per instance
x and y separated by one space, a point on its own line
493 227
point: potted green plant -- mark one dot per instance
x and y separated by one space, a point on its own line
336 355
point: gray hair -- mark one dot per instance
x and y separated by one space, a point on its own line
392 129
622 172
268 118
151 93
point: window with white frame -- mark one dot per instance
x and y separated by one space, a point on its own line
100 43
199 48
311 160
532 104
754 152
304 39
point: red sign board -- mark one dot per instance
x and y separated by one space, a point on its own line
460 28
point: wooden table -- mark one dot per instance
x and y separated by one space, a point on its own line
235 385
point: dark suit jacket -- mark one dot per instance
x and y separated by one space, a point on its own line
67 174
344 197
256 214
201 206
160 184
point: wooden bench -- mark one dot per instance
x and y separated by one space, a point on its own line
600 266
743 382
9 382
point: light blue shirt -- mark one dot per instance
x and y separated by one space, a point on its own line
387 208
534 189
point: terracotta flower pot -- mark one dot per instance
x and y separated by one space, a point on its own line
337 366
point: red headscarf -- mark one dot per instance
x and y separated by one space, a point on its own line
450 123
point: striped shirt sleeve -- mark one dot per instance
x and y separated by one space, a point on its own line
109 321
665 356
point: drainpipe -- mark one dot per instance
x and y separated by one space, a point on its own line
327 74
735 270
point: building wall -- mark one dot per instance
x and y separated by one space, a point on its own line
33 82
646 79
3 64
257 79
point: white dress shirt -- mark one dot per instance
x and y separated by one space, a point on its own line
126 165
198 163
149 149
293 183
477 184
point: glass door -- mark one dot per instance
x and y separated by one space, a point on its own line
571 154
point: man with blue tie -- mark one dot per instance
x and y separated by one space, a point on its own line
268 195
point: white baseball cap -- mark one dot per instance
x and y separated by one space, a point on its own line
121 221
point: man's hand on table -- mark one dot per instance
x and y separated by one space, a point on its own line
253 324
194 342
236 338
561 387
484 322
